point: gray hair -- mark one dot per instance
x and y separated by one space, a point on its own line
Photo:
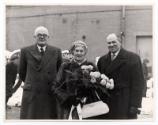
42 30
78 43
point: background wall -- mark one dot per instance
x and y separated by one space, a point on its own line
68 23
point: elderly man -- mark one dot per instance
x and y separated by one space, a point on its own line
39 65
126 70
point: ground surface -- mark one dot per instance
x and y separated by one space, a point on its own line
147 109
146 113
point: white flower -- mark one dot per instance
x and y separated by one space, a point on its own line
92 74
104 77
108 85
103 82
83 67
96 74
111 84
93 80
90 67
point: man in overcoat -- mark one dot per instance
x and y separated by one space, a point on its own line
39 64
126 70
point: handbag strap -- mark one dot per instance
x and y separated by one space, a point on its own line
97 95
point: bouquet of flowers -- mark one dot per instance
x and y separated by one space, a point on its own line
102 79
87 79
79 82
97 80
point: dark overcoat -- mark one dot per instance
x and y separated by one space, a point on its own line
38 72
126 70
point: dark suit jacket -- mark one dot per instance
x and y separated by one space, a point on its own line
38 72
126 70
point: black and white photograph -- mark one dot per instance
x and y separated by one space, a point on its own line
79 63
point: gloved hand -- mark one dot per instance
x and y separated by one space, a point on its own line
133 111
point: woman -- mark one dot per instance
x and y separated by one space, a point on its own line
72 88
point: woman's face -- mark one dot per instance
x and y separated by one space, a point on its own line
79 53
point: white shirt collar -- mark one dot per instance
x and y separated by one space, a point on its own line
39 48
116 53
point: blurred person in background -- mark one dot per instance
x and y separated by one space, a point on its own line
11 74
146 75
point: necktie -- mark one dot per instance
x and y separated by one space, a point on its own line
42 50
113 55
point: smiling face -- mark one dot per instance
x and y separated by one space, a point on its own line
113 46
41 35
41 39
79 53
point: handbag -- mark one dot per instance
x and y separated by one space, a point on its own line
94 109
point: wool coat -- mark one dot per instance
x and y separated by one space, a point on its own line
126 70
38 73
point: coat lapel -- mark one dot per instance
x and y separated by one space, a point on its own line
35 53
41 61
115 64
47 56
37 56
